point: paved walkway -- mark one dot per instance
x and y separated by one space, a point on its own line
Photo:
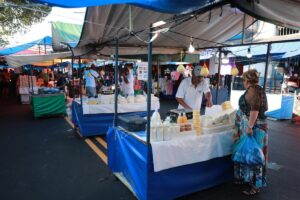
44 159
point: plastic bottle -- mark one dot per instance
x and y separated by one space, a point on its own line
155 117
179 119
184 119
167 129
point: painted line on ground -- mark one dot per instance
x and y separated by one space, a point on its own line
101 141
97 150
69 122
102 156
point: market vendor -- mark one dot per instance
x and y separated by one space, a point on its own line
127 82
191 89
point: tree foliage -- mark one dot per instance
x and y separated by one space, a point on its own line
18 15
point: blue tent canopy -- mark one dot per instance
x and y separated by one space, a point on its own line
167 6
12 50
289 16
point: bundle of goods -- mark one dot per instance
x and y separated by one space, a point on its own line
106 90
223 120
46 90
92 101
140 99
110 99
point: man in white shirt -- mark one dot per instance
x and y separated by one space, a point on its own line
90 83
127 82
189 93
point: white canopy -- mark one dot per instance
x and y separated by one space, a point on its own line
207 29
20 60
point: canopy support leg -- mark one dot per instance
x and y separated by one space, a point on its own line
116 80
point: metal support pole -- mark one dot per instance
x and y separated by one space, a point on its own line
243 32
80 82
31 80
219 71
61 66
116 80
149 84
72 63
267 65
158 77
45 46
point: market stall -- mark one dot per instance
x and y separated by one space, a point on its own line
96 115
44 105
195 159
132 154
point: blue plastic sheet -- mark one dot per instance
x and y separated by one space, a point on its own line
169 6
12 50
133 159
248 152
286 110
94 124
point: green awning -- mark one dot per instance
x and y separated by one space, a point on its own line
65 32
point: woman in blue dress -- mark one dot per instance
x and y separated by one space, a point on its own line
251 120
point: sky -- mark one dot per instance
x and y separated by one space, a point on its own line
38 31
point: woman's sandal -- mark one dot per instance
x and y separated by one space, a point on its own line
251 191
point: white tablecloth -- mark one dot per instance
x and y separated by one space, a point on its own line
122 108
189 148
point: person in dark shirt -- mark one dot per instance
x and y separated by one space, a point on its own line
61 82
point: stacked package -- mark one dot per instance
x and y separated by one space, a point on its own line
196 121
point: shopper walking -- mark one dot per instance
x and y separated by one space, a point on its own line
251 118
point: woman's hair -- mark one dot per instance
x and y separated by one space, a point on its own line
251 76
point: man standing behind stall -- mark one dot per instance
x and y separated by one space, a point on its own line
127 82
189 93
90 83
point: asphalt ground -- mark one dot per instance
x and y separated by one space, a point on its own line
45 159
